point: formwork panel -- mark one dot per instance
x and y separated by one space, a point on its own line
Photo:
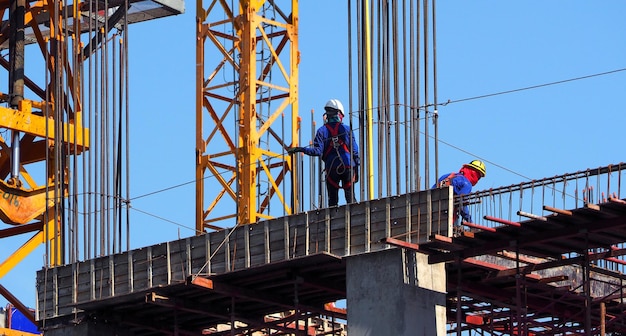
378 221
237 248
142 272
317 231
46 293
297 236
257 244
198 254
178 260
417 216
341 231
440 210
65 287
277 238
84 274
338 236
122 274
358 230
218 247
160 264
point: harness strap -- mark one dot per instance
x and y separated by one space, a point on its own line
336 184
337 142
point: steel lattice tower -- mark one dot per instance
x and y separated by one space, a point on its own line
246 110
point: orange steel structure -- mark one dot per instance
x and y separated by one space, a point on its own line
247 106
51 104
250 91
40 127
45 129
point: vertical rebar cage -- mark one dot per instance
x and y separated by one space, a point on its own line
63 125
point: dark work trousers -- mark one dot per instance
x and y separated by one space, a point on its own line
336 178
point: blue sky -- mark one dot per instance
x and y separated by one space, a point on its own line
483 48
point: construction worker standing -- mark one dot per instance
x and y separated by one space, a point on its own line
334 142
462 183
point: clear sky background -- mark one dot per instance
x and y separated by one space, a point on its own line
484 48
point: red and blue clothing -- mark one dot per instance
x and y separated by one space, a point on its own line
336 144
461 183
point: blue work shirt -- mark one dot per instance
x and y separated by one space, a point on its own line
323 146
460 186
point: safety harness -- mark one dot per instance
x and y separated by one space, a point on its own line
337 143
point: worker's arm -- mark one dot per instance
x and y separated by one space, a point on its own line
318 143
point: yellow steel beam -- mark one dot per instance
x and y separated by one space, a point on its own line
50 232
248 152
274 186
201 34
24 120
16 257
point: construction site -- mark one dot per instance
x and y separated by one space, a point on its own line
270 252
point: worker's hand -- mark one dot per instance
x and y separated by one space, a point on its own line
295 150
467 217
356 174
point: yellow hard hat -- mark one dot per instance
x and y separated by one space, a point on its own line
478 165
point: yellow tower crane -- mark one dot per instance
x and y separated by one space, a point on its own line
42 131
39 129
250 98
77 59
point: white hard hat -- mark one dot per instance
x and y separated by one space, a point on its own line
334 104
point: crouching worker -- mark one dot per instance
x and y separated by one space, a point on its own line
462 183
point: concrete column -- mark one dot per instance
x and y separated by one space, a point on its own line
395 292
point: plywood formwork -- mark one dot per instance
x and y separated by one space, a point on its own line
247 254
559 272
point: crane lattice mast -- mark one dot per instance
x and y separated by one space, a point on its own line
246 110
